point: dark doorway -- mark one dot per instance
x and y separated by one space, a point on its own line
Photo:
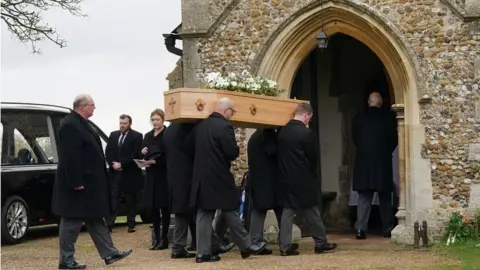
337 82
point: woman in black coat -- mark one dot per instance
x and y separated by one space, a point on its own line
156 185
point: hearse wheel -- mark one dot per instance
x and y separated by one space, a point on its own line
15 220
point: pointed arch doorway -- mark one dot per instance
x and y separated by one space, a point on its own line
293 43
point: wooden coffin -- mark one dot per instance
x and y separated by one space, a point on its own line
253 111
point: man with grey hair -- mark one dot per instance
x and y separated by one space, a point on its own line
297 165
213 185
81 188
375 138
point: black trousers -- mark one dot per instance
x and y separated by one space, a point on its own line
130 201
161 217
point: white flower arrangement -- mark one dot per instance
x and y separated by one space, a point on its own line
243 82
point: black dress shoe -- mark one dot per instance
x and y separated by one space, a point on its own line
191 248
222 249
207 258
326 247
73 265
131 230
265 251
252 250
182 255
163 244
290 251
361 235
110 229
117 256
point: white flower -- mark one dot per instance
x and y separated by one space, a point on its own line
271 83
234 83
212 77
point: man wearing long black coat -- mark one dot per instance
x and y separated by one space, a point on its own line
123 146
297 157
213 184
179 150
81 188
262 182
375 137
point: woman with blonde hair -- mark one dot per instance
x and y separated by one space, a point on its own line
156 185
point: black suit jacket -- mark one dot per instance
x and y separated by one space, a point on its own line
213 185
297 156
263 169
375 137
179 150
81 162
131 149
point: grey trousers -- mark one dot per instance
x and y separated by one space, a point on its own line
180 232
204 230
312 216
257 224
69 231
219 225
364 206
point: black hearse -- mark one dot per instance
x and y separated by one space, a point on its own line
28 138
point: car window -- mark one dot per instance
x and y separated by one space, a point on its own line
24 138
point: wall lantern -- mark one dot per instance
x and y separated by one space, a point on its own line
322 40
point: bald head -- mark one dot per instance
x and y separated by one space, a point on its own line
375 100
225 107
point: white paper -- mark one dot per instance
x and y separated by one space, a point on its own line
141 163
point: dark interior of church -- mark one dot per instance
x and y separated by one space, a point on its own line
354 71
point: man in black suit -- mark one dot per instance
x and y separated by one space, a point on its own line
81 189
179 149
297 164
213 185
123 147
375 137
262 182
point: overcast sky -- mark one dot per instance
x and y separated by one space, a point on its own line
116 54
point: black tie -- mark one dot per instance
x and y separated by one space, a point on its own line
122 138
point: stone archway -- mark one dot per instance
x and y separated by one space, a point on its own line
293 41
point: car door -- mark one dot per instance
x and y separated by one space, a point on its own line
29 161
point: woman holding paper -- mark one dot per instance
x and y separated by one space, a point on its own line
156 185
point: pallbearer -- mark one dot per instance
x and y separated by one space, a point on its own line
262 182
297 156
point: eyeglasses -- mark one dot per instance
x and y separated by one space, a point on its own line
89 104
232 110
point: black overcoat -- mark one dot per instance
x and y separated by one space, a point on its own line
262 169
131 174
213 185
155 193
375 138
179 149
81 162
297 163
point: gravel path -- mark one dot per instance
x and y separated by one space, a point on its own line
42 253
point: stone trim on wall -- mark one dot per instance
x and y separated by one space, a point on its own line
468 12
190 33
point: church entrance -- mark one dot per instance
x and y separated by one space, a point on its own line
337 81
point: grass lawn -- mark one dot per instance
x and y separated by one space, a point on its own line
468 254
